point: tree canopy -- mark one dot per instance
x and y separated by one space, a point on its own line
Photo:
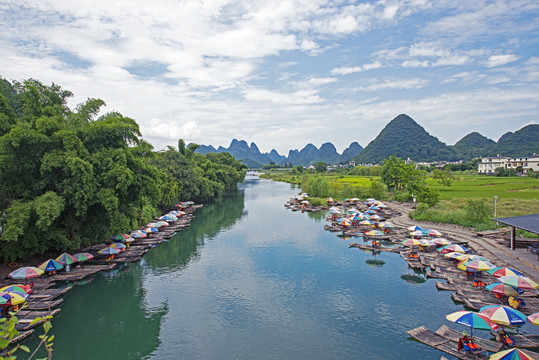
71 178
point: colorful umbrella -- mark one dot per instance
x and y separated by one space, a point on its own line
469 257
121 237
83 256
520 282
476 265
376 217
366 222
66 259
534 318
154 224
415 228
425 242
5 298
26 272
472 319
503 315
504 271
353 210
433 232
441 241
150 230
344 222
108 251
118 246
334 209
17 288
50 265
374 233
412 242
453 247
416 233
168 218
139 234
386 225
15 298
502 289
511 354
452 255
161 223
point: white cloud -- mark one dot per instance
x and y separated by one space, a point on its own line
397 84
499 60
170 130
345 70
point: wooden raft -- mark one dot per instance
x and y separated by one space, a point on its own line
523 341
25 320
427 337
22 335
366 247
445 286
81 272
453 335
43 305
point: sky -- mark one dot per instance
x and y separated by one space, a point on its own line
284 73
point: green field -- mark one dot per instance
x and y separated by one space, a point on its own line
468 186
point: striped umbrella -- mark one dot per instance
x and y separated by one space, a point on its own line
344 222
476 265
139 234
433 232
150 230
83 256
469 257
386 225
374 233
520 282
108 251
452 255
366 222
534 318
118 246
411 242
502 289
376 217
414 228
15 298
453 247
17 288
66 259
472 319
503 315
26 272
511 354
416 233
441 241
4 298
504 271
50 265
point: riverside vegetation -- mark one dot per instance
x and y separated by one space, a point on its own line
443 196
70 178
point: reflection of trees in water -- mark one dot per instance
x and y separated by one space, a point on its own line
413 279
374 261
316 215
113 306
209 220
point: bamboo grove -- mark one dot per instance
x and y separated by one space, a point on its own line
71 178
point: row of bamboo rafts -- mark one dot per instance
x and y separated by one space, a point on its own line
368 247
451 337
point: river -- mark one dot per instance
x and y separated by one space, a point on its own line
251 280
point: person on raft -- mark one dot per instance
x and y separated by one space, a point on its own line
468 345
507 340
478 283
376 244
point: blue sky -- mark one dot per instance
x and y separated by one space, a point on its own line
285 73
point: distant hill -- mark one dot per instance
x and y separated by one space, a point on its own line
523 142
405 138
474 145
252 157
350 152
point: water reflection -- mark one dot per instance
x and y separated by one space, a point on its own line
108 318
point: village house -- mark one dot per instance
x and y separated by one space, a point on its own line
488 165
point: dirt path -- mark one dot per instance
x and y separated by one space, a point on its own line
497 253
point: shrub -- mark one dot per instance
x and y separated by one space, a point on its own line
477 211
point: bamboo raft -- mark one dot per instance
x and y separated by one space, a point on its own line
427 337
26 318
453 335
367 247
48 294
523 341
43 305
79 273
414 263
445 286
436 274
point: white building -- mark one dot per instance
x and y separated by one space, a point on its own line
489 164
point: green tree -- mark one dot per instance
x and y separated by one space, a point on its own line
320 166
444 177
